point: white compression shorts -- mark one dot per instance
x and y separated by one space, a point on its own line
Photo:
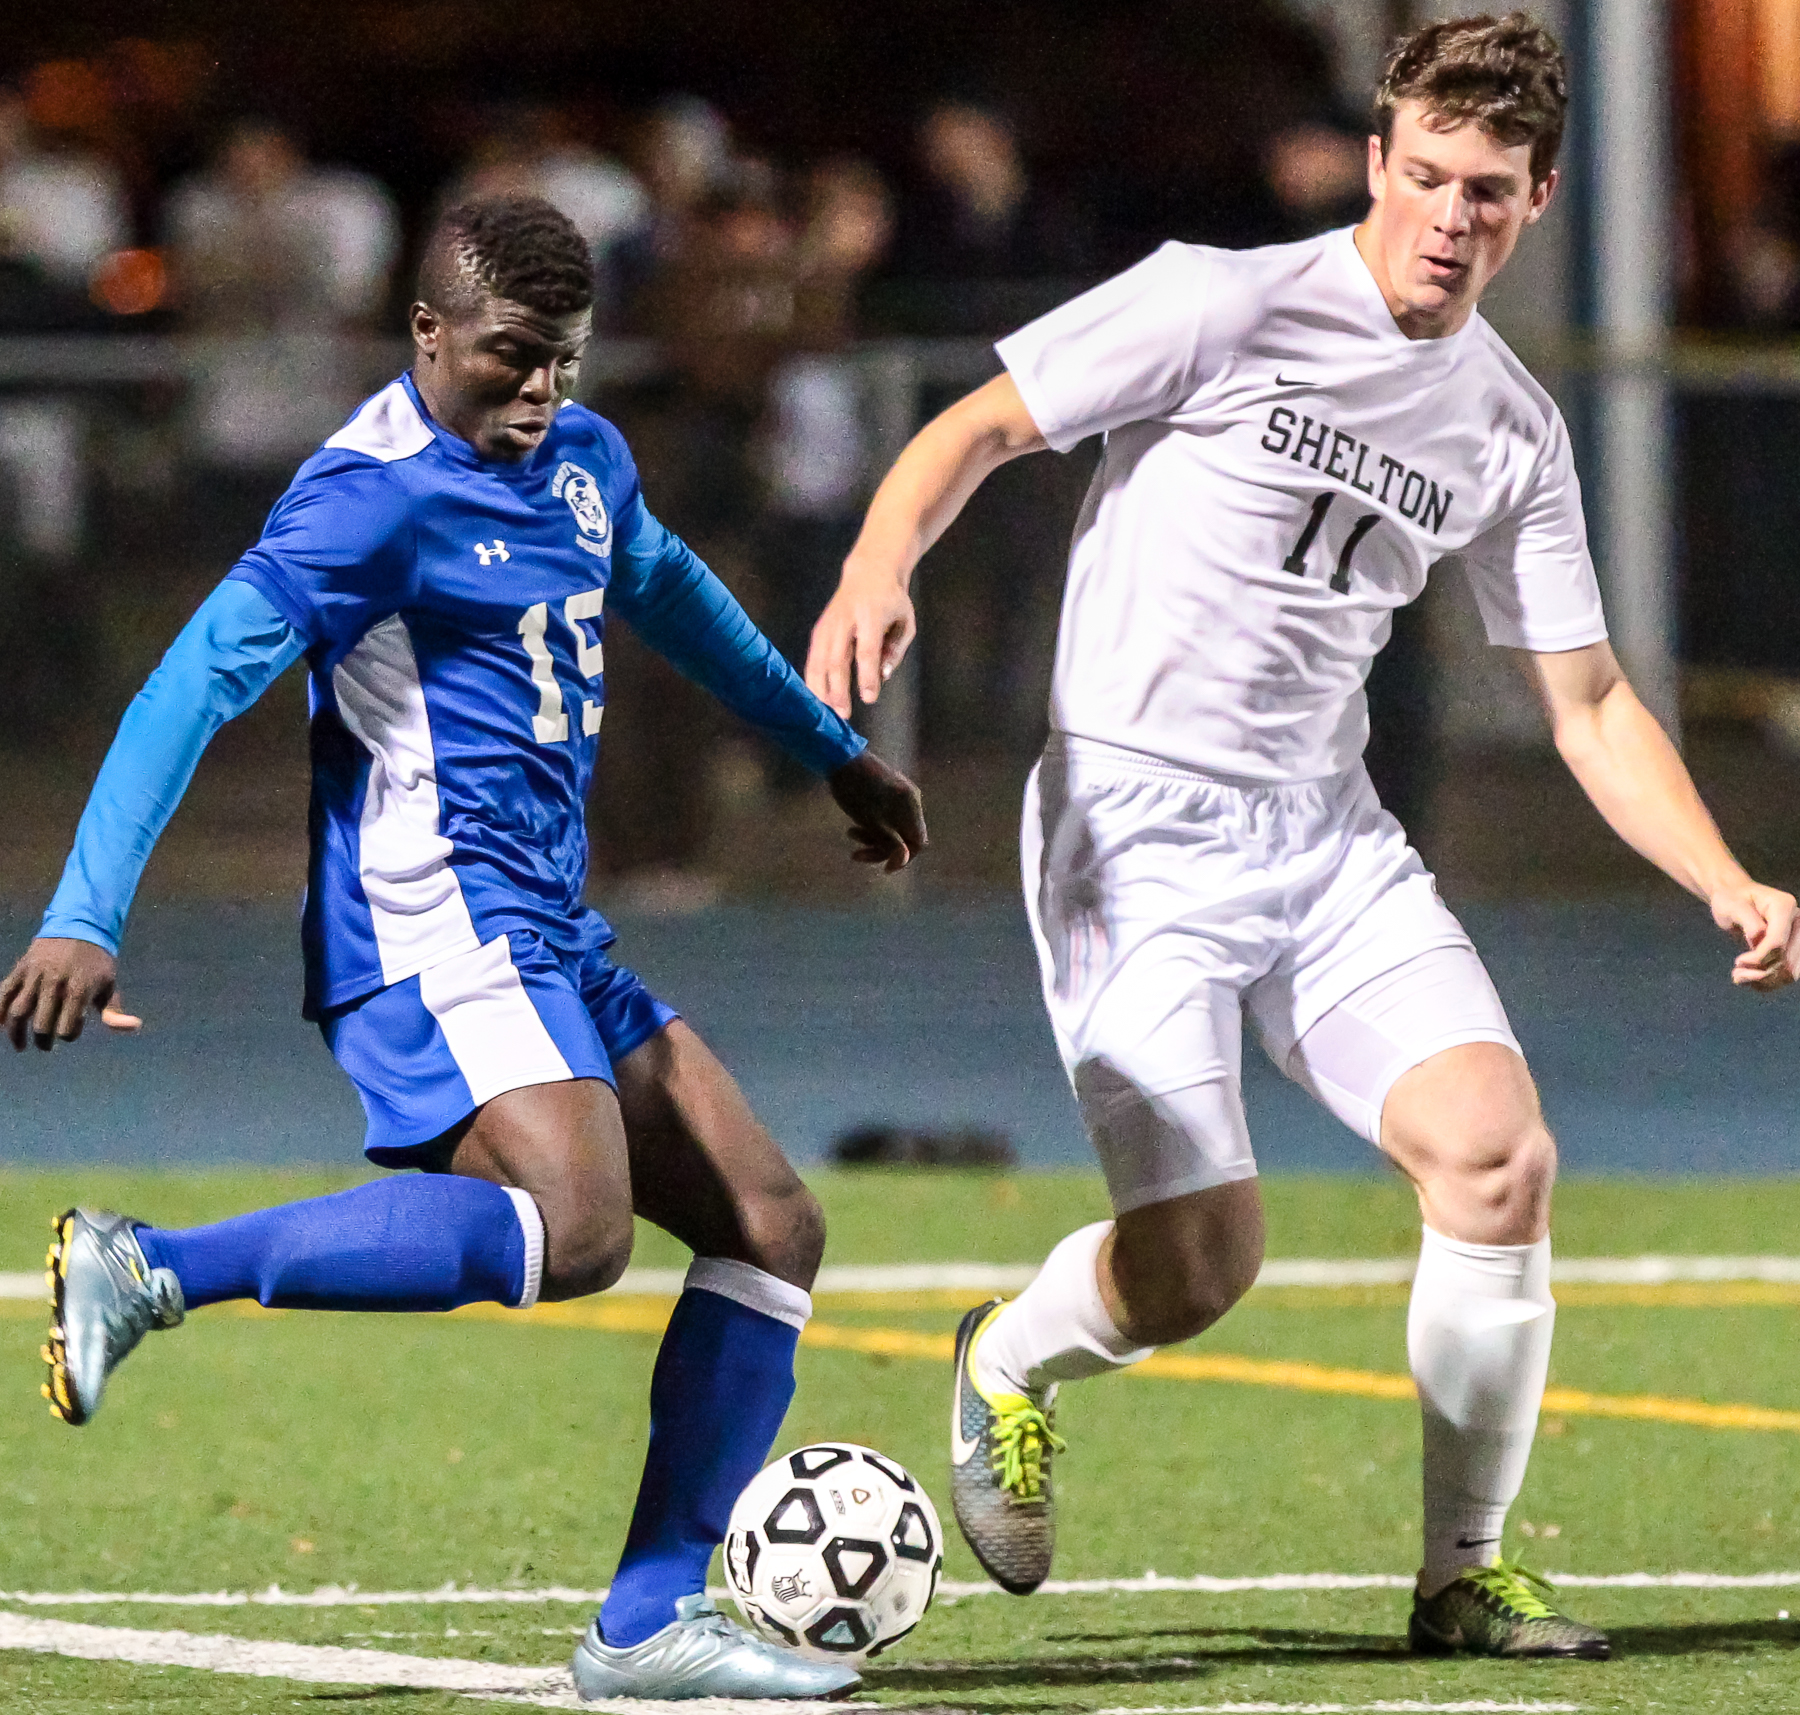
1166 903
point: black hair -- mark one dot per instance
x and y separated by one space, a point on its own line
522 249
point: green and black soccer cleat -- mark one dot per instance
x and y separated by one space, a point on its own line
105 1297
1000 1448
1500 1610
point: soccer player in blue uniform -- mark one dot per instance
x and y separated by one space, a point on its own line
444 564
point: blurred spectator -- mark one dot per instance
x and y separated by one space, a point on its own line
686 157
277 258
719 293
1764 257
264 239
61 212
816 446
723 297
532 152
847 229
1318 176
684 160
976 226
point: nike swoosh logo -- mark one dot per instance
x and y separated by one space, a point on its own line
1479 1542
1289 381
961 1451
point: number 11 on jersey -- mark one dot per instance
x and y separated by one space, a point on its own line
1295 563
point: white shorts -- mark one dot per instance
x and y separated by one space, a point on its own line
1165 902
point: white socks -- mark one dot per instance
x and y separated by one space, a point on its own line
1057 1329
1478 1335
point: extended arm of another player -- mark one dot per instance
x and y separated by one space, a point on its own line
869 621
1636 779
226 656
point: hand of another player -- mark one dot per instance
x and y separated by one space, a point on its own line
868 623
887 816
1765 919
47 995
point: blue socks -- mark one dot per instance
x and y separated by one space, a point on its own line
422 1241
416 1241
722 1384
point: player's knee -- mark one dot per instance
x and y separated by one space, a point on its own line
584 1252
784 1231
1502 1173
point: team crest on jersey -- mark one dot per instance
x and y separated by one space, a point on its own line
582 491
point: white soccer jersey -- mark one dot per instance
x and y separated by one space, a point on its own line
1282 467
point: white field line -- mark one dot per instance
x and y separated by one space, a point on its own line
1479 1706
539 1687
1280 1271
323 1664
951 1590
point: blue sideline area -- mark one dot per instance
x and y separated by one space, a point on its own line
1649 1061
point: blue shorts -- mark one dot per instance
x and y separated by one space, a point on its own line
425 1053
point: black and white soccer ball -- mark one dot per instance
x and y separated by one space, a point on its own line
834 1551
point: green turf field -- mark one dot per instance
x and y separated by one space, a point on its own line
401 1453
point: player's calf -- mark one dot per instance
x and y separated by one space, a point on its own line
586 1249
784 1233
1175 1268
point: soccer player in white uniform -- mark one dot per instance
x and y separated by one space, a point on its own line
1295 436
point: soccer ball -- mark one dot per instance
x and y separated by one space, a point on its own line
833 1551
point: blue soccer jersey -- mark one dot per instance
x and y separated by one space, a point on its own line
451 611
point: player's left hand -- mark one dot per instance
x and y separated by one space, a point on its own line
1765 919
887 816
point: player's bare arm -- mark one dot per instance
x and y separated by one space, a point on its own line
869 622
50 991
1638 782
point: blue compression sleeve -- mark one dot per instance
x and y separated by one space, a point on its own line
227 655
681 609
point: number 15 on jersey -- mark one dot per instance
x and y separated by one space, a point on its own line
550 725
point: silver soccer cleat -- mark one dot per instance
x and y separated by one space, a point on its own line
700 1653
107 1297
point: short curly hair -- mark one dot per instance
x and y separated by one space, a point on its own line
523 249
1506 74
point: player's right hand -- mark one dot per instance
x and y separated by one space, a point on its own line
48 994
869 622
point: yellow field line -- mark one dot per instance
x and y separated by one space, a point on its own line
651 1315
648 1316
1571 1295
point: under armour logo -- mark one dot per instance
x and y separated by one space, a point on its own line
490 555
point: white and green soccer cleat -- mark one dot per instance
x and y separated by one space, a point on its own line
105 1298
700 1653
1500 1610
1000 1448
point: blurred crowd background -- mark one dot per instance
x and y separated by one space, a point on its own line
809 222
